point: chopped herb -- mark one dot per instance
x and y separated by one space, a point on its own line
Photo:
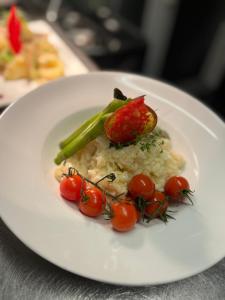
149 141
146 142
120 145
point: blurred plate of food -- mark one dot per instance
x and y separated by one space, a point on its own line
31 54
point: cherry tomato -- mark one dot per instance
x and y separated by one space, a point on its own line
92 203
124 215
129 121
141 186
177 188
71 187
157 205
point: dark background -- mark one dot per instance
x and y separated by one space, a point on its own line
181 42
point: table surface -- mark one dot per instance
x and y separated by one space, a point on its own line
25 275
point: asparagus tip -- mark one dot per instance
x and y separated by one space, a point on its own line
62 145
59 158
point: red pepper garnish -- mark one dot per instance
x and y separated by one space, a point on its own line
14 30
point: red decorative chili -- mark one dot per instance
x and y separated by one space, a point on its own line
14 30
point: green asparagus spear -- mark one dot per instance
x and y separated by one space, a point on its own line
90 129
114 105
90 133
78 131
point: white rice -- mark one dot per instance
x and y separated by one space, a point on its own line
97 159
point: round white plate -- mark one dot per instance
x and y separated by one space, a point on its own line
31 206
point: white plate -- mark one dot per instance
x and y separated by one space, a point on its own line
32 208
11 90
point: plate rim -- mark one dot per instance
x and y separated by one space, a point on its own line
98 72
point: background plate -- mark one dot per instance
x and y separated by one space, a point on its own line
31 207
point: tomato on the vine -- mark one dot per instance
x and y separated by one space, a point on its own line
157 205
71 187
177 188
141 186
93 202
123 215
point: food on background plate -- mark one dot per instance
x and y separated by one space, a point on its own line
127 165
24 54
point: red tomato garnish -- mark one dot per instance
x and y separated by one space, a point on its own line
141 186
177 189
157 205
92 203
129 121
124 215
71 187
14 30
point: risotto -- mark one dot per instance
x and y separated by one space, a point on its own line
152 155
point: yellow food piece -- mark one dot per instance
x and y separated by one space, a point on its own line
38 59
26 33
42 45
3 42
50 67
4 47
16 69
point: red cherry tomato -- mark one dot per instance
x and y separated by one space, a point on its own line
141 186
92 203
177 188
71 187
124 215
157 205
